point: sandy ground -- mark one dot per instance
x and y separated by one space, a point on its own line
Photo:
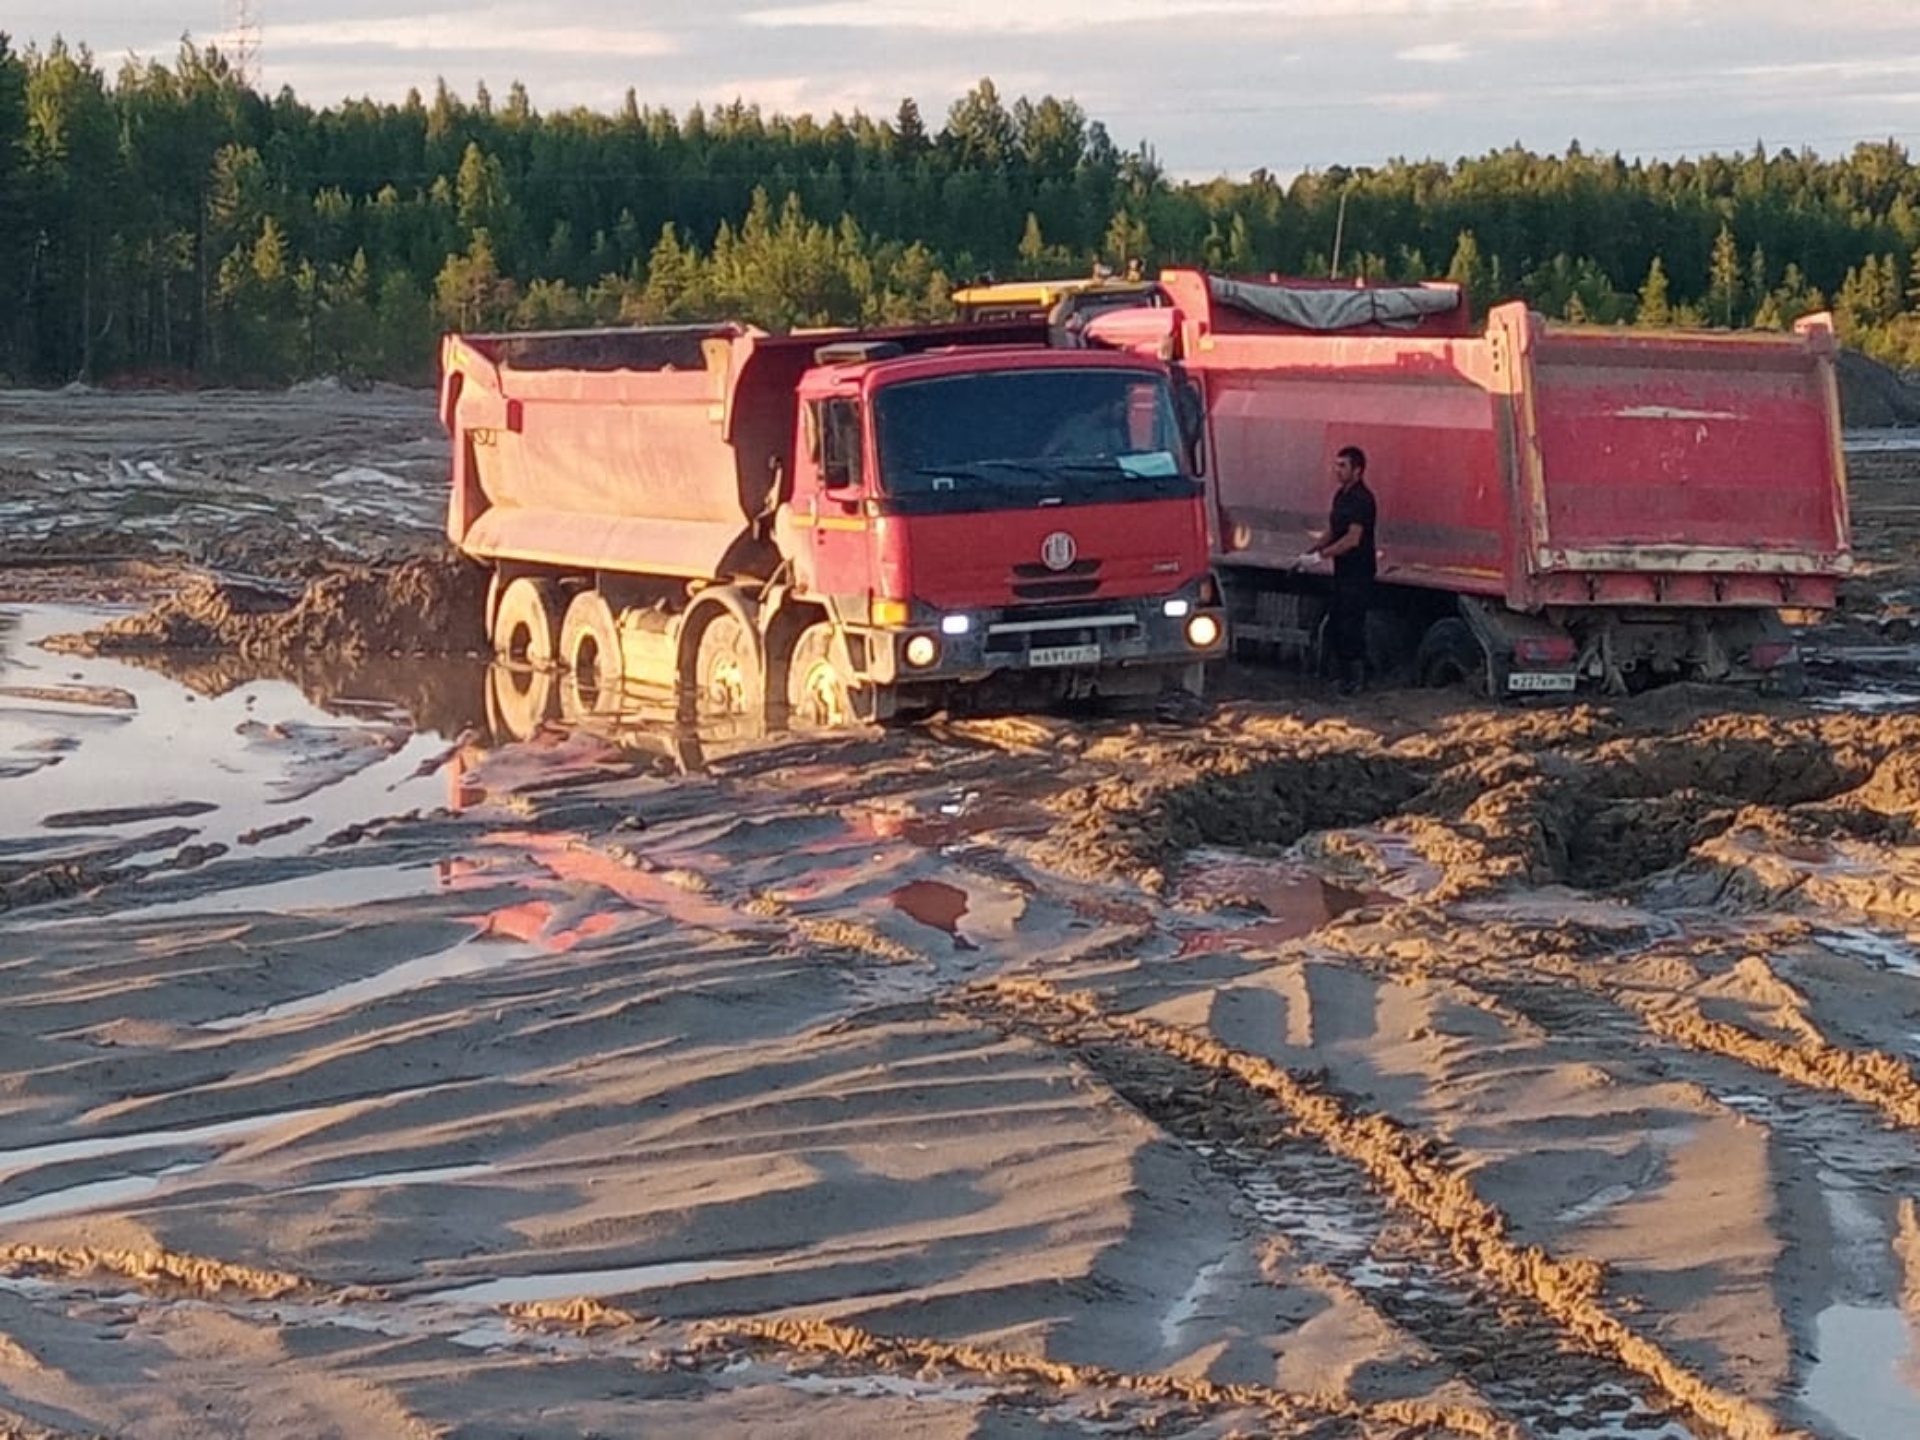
1404 1067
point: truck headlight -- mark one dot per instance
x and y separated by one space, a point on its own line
1203 632
955 624
922 651
1177 609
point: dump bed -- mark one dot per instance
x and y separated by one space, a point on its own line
649 449
1533 463
1699 468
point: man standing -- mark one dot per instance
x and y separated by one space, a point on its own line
1348 542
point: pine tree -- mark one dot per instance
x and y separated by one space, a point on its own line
1723 278
1654 308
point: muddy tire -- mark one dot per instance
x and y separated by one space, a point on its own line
1449 655
1787 682
590 650
526 623
726 678
821 695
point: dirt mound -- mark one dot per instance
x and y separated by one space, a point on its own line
423 605
1874 396
1587 798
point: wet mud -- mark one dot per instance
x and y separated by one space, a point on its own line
1400 1066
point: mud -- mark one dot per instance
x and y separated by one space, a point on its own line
1388 1067
420 605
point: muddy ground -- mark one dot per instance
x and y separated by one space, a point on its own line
1392 1067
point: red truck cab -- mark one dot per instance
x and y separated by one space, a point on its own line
990 517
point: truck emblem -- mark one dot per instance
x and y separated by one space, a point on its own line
1057 550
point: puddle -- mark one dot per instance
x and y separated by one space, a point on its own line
955 818
1187 1308
565 1285
1249 901
397 1179
936 905
238 767
1883 952
336 888
468 957
1866 1380
86 1197
60 1152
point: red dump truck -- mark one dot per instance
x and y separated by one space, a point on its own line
829 525
1559 505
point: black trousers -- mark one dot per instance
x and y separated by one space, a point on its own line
1347 623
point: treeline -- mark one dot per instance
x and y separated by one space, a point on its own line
170 222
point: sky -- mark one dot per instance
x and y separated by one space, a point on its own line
1213 87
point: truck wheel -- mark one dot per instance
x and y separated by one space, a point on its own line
526 623
590 649
1788 682
726 669
520 700
1449 655
819 691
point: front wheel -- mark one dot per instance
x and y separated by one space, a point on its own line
820 693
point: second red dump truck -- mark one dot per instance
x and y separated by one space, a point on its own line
826 526
1559 505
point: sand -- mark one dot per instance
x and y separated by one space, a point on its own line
1399 1067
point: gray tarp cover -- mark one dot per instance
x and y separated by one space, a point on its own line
1335 309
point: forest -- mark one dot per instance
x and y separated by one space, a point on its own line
168 224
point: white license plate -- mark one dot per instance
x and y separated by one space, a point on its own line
1535 681
1064 655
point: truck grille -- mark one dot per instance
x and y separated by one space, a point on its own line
1037 582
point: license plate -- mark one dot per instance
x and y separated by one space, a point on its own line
1535 681
1064 655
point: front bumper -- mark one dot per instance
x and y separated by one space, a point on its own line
1054 639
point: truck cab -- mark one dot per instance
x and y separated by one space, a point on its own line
992 517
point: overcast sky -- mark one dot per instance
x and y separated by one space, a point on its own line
1214 86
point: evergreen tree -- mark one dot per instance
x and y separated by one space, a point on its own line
1654 308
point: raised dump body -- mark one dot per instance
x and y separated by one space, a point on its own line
839 523
649 449
1603 503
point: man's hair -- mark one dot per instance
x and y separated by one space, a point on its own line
1355 454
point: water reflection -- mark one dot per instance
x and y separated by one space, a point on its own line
1866 1380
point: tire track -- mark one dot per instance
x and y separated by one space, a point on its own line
1181 1079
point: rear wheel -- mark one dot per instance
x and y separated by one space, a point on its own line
1449 655
590 648
526 625
819 690
726 679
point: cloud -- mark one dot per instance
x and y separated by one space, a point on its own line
1446 53
447 31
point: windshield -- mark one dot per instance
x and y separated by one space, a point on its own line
1051 431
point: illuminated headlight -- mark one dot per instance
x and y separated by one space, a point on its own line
1203 632
955 624
1176 609
922 651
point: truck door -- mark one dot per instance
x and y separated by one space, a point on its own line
830 502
